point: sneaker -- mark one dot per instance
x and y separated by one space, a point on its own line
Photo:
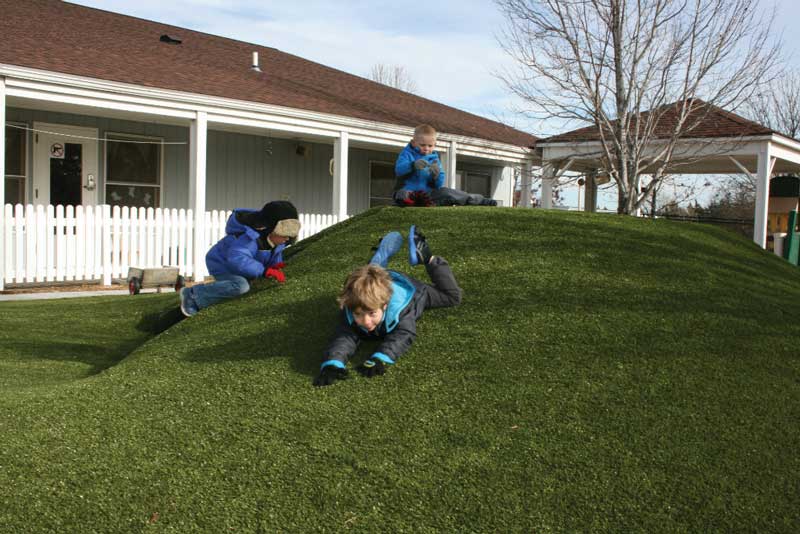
188 305
488 202
387 247
418 250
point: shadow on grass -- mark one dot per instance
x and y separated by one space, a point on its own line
299 331
97 357
161 321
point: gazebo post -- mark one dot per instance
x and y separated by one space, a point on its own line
525 189
765 164
548 171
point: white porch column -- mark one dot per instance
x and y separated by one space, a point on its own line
2 181
548 171
765 162
450 172
198 146
525 189
340 150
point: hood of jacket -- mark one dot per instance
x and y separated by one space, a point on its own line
402 293
234 227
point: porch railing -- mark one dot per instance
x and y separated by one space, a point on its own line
88 243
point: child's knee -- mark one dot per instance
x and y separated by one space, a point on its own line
241 285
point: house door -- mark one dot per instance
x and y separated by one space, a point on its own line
65 165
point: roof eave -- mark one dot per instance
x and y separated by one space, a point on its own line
182 105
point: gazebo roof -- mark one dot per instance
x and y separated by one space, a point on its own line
716 123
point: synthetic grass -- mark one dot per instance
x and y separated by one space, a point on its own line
604 374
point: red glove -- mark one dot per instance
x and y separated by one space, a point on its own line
276 273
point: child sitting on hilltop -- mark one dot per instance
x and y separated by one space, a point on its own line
252 248
385 305
420 178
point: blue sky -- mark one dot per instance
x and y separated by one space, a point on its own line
448 46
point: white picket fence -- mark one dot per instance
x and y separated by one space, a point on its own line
50 244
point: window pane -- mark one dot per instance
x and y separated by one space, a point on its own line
15 190
382 182
133 162
15 151
137 196
479 183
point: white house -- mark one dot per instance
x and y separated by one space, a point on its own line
102 110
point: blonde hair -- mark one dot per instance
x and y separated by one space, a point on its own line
424 129
367 288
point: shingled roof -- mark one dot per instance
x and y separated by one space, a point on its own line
66 38
708 121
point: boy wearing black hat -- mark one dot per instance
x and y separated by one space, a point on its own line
252 248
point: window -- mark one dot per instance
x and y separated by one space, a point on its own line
478 183
381 183
16 164
133 171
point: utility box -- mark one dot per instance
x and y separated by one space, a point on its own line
791 247
784 195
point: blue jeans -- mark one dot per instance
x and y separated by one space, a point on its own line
224 287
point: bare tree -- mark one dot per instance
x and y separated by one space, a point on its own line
644 73
395 76
778 106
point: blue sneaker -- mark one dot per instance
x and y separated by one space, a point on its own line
387 248
188 305
418 250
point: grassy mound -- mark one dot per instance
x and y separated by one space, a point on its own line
603 374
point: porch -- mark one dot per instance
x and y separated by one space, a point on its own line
171 153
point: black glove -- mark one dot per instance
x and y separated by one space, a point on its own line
372 367
329 375
420 164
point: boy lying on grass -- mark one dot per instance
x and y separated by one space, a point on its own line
381 304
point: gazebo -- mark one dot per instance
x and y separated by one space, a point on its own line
720 142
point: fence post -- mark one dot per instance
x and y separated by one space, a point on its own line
3 178
106 249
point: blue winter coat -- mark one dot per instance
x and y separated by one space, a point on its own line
418 180
237 252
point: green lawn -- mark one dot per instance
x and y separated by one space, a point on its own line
604 374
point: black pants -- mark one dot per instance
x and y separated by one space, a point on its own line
444 196
444 291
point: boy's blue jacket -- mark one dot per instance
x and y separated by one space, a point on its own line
418 180
237 252
397 330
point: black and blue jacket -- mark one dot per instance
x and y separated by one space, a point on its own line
397 329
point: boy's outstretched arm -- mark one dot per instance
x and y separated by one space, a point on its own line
342 346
